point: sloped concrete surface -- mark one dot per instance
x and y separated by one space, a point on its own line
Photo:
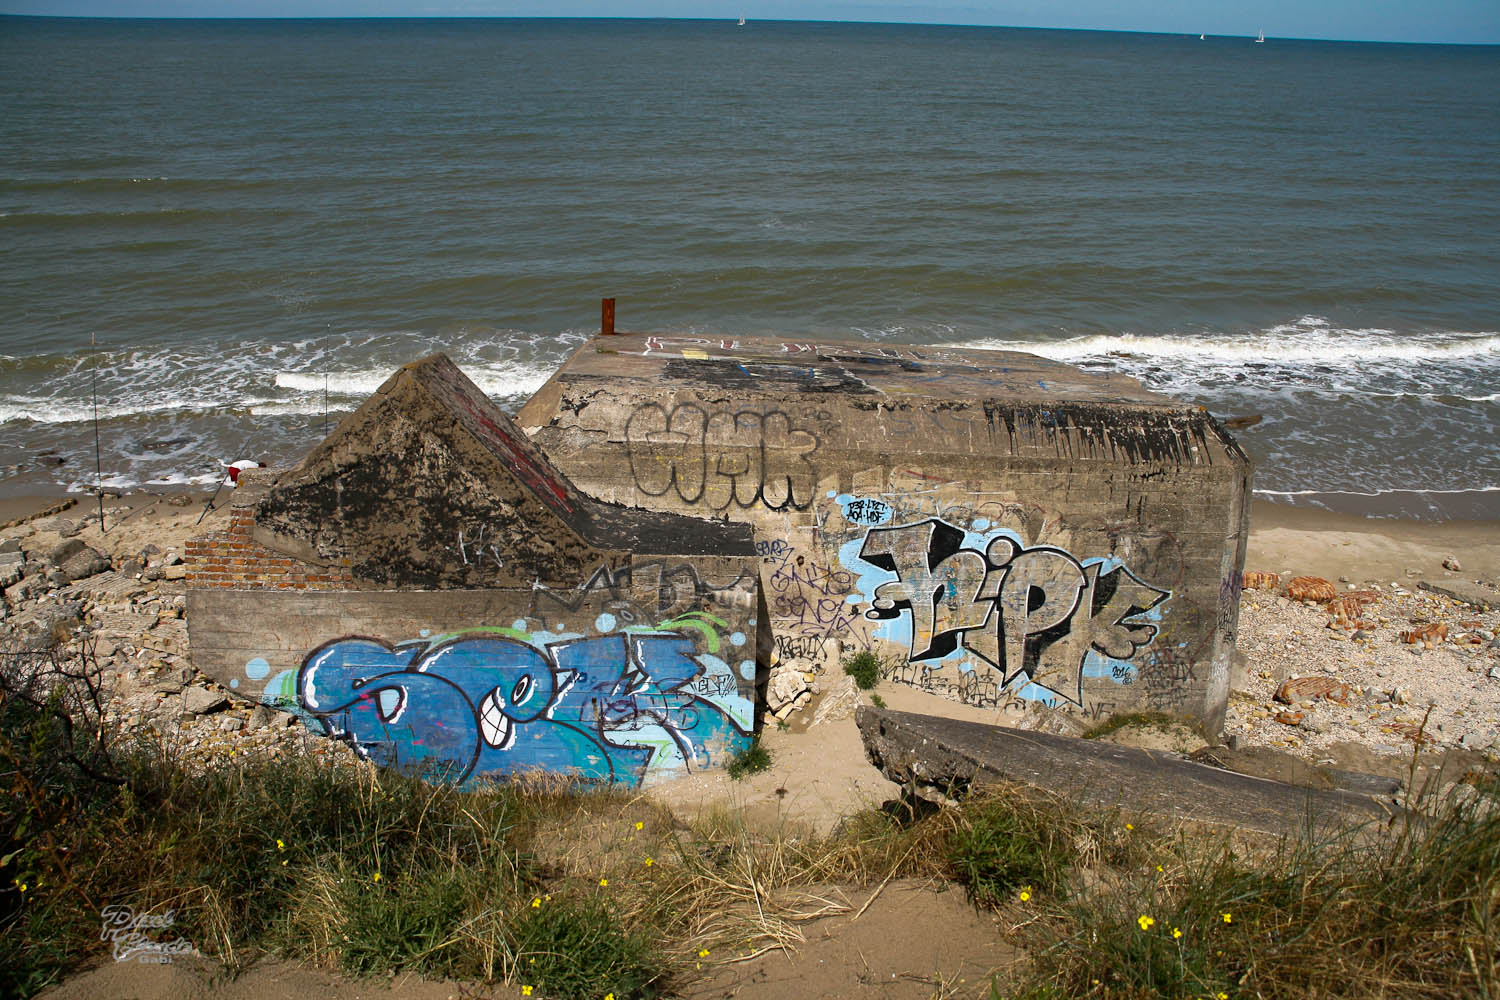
957 756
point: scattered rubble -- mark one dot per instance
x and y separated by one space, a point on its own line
1411 666
119 598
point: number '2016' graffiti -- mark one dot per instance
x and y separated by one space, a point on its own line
610 708
1032 612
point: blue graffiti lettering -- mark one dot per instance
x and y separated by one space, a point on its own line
611 708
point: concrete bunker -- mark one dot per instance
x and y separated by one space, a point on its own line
1000 529
427 585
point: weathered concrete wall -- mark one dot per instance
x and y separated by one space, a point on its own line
995 526
468 612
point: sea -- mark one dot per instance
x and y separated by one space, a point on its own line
216 237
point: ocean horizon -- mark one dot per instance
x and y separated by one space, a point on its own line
218 228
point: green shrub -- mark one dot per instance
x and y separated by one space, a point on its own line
864 667
1004 846
403 923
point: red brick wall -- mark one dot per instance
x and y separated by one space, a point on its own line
231 559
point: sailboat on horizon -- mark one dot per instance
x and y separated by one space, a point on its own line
742 21
1261 40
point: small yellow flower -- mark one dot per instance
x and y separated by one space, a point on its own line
23 886
526 991
377 876
605 881
702 952
649 862
536 904
280 844
1176 932
1160 868
609 996
1129 826
1228 919
1223 996
1145 922
639 825
1026 894
283 862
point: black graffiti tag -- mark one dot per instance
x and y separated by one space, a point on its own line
720 457
1025 611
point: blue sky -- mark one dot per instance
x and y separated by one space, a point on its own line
1469 21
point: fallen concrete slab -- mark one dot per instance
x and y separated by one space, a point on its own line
957 756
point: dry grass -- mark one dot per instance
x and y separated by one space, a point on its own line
583 892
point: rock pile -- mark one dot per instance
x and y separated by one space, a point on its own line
116 601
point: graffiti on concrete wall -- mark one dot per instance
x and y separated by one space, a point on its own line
1035 619
721 458
806 595
616 707
646 591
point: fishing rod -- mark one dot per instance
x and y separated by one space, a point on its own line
98 459
210 505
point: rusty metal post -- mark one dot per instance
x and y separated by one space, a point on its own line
607 317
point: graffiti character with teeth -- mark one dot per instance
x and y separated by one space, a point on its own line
474 706
453 711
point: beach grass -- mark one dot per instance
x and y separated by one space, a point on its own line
580 892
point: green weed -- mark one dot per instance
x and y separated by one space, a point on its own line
576 949
864 667
751 759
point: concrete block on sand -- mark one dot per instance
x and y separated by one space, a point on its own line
994 526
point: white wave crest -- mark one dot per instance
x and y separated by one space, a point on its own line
1291 344
344 383
509 380
1376 493
55 411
